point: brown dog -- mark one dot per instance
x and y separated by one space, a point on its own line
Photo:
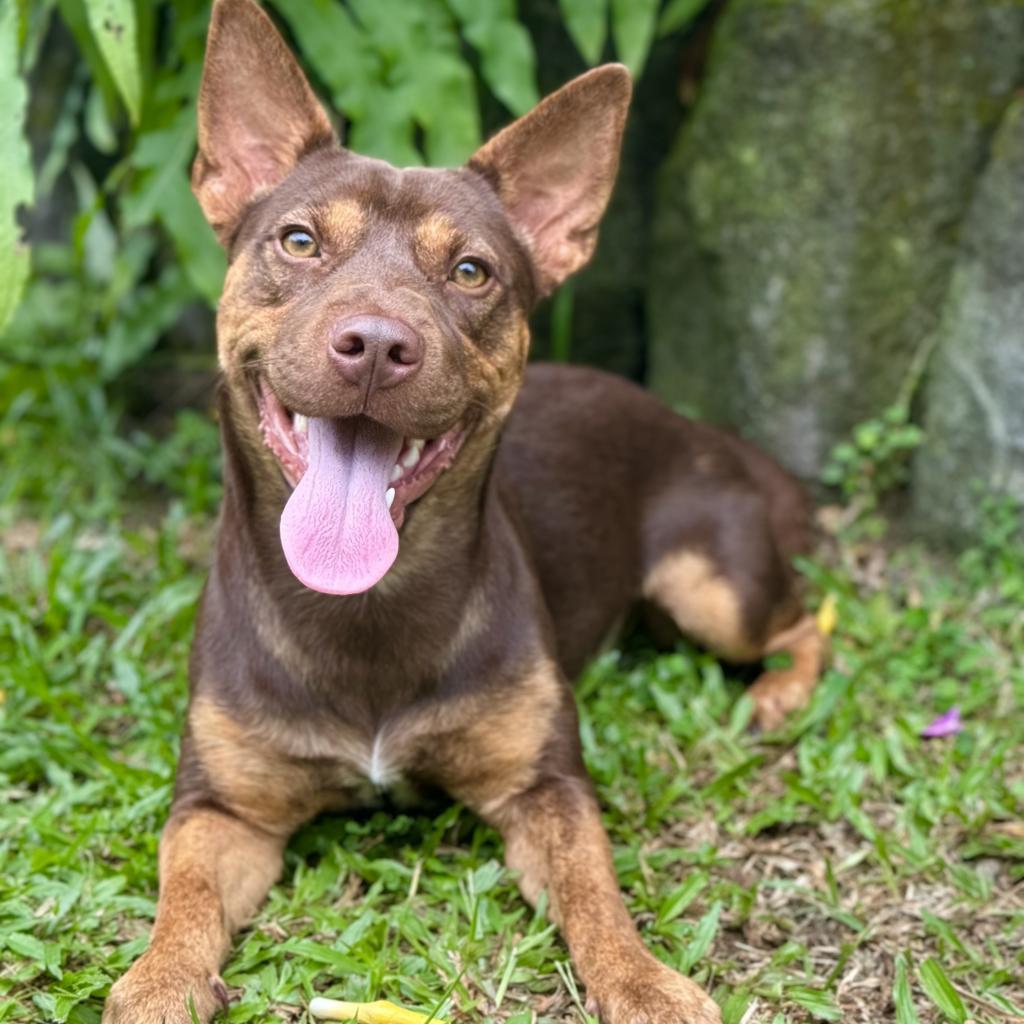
373 338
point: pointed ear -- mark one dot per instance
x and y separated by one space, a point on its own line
554 169
257 114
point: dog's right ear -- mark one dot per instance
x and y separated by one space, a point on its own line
257 114
554 169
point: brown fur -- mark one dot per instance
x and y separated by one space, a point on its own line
554 839
575 495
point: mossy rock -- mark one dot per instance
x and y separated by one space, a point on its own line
974 394
808 215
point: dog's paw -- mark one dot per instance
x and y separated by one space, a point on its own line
159 989
651 993
777 695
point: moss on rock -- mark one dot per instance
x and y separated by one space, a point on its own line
808 214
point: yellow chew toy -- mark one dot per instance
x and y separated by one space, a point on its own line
828 616
380 1012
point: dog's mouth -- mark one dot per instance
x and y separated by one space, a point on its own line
352 480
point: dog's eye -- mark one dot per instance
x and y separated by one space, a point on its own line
469 274
297 242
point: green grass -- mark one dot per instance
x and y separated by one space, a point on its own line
847 870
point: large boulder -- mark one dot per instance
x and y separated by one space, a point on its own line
808 214
974 395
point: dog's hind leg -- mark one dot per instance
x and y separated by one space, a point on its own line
779 691
726 583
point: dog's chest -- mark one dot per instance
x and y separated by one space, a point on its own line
378 768
361 767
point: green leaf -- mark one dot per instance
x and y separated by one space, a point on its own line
388 134
681 897
901 995
113 26
27 946
941 992
202 257
442 99
703 936
678 13
507 61
16 180
337 49
633 23
817 1002
163 192
587 23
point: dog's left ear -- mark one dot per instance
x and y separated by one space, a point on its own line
554 169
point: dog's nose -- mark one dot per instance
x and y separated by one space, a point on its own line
375 351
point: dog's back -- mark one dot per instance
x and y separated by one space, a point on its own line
606 481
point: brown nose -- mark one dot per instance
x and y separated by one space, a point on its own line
375 351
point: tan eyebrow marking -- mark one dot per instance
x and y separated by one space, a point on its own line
344 222
434 239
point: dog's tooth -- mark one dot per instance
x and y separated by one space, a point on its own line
389 496
411 457
396 473
300 423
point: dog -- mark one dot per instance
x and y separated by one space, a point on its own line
422 541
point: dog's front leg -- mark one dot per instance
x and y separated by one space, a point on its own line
555 840
214 872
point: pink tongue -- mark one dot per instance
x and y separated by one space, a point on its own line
336 530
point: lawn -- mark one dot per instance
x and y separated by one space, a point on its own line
844 870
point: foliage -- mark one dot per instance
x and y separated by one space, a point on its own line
873 463
124 253
634 24
16 180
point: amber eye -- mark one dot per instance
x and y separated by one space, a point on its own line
469 274
297 242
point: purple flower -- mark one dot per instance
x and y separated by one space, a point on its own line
947 724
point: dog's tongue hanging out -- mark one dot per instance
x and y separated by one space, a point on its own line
336 530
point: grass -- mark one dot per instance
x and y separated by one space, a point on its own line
845 870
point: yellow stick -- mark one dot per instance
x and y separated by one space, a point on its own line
380 1012
828 615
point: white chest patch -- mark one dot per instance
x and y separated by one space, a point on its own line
379 770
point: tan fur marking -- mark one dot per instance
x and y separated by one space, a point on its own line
555 839
239 863
779 692
703 603
433 240
343 223
249 775
487 748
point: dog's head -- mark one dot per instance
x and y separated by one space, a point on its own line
374 318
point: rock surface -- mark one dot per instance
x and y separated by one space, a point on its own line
974 395
808 214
